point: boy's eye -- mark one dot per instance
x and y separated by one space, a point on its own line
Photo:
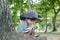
31 18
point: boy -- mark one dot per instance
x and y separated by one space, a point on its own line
27 25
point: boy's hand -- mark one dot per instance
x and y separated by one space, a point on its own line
30 28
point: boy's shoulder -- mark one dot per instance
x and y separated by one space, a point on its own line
23 23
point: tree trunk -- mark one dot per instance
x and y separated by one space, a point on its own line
54 18
46 21
5 19
29 5
54 22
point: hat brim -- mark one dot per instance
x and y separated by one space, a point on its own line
23 16
39 17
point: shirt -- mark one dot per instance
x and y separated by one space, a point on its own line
23 25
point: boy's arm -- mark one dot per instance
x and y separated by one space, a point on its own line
20 28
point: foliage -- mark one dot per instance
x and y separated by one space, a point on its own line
46 8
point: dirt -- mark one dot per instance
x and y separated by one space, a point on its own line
51 36
20 36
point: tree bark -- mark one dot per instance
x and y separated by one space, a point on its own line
54 18
46 21
54 23
5 19
29 5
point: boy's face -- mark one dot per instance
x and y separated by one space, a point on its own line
30 21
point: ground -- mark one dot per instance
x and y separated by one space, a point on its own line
21 36
51 36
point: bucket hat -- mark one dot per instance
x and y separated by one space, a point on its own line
30 14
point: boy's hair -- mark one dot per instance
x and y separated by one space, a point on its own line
21 17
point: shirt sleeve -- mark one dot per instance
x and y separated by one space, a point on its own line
22 26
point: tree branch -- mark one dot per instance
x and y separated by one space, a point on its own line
58 11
